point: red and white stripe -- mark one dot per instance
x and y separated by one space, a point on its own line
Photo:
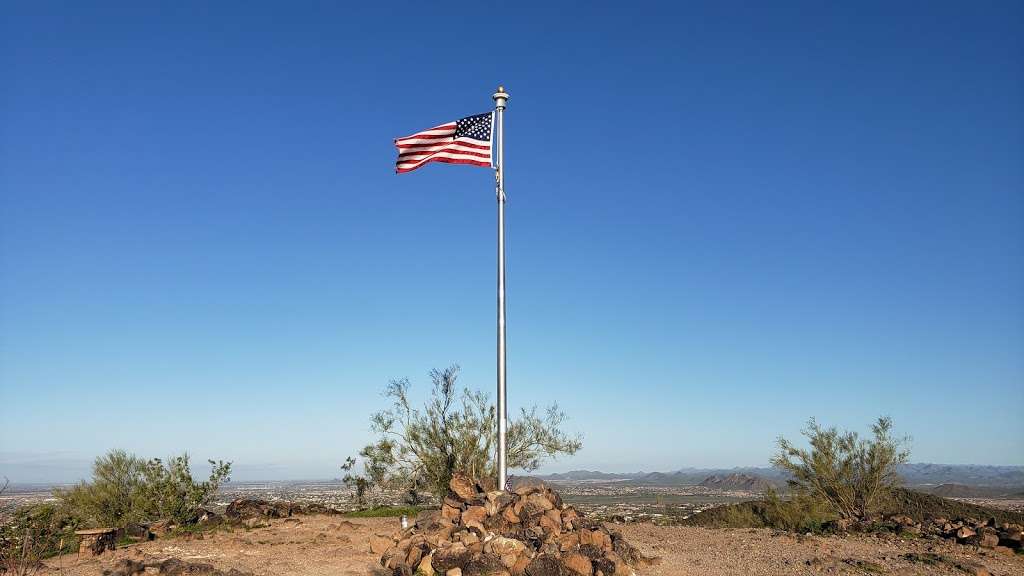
438 144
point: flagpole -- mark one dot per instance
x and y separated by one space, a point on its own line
500 99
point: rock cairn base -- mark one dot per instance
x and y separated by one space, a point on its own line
525 531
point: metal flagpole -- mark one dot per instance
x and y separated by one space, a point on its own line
500 99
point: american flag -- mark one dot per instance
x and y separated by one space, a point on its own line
465 141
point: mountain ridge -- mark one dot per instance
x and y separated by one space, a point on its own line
913 474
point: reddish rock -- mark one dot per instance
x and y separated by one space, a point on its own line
519 568
414 556
524 486
462 486
477 527
577 563
454 556
474 514
379 543
544 566
964 533
540 501
604 566
502 546
569 541
985 540
510 515
450 513
426 567
485 565
526 533
549 525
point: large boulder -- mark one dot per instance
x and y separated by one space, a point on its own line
244 508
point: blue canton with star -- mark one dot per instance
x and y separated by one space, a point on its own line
477 127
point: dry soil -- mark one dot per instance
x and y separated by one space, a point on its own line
322 545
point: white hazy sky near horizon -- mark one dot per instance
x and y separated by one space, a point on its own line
63 468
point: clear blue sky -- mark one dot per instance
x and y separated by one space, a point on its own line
724 218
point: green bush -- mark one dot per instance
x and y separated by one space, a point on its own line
116 496
456 430
853 477
169 491
386 512
126 490
798 514
35 532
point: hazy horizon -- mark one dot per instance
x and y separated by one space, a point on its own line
65 470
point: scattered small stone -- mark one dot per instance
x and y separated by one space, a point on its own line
168 567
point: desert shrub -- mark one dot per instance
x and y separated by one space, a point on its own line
386 512
797 514
126 490
852 476
360 484
33 533
738 516
115 497
419 449
169 491
800 513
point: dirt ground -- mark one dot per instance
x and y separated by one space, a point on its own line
322 545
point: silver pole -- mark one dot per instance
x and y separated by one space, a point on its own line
500 99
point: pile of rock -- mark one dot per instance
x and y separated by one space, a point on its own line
245 508
250 512
527 530
1004 536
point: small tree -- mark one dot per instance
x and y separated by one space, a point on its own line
171 492
851 475
6 508
456 430
32 533
359 483
115 497
126 489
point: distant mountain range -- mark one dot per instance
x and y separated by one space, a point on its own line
936 474
917 474
965 491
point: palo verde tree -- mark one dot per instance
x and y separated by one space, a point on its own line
126 489
456 430
853 476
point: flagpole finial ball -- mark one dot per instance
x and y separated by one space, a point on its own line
500 97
